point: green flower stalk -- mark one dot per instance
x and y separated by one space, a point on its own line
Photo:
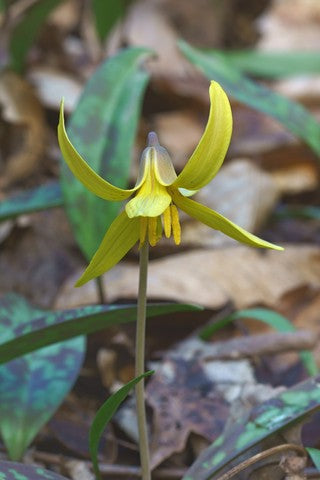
158 195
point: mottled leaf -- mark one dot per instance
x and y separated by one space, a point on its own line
270 317
290 407
67 324
39 198
32 387
102 128
270 64
27 30
104 415
292 115
106 14
19 471
315 456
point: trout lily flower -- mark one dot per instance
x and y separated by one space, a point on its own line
159 192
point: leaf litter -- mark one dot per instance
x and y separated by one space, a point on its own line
266 166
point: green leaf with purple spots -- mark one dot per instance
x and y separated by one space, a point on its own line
48 328
33 200
19 471
103 128
32 387
291 407
315 456
292 115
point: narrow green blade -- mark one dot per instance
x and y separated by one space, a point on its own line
271 64
104 415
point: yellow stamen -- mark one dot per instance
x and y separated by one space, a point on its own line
176 228
159 229
143 230
167 222
152 230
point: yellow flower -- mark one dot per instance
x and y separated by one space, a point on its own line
159 191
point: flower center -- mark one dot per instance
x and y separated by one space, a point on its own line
152 201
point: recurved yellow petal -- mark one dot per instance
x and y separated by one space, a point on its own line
122 234
208 157
218 222
84 172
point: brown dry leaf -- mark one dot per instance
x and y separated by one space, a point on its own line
22 108
290 25
146 25
302 306
202 22
243 193
292 166
304 89
209 277
293 178
52 85
179 132
191 393
72 432
184 400
66 15
255 133
106 363
38 256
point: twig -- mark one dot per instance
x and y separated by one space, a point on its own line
260 456
265 344
101 295
116 470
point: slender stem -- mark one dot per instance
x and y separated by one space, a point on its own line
101 295
140 353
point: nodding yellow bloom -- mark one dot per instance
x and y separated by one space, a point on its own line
159 191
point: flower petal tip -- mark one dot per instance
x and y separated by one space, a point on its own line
270 246
80 282
278 247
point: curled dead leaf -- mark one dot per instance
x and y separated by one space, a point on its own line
22 108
